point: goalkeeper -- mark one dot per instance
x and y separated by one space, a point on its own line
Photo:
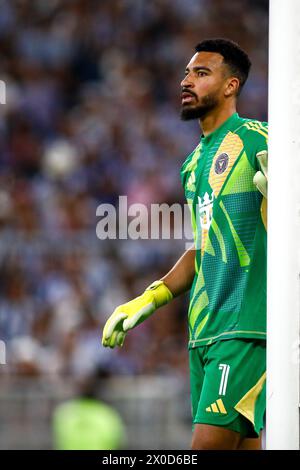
225 183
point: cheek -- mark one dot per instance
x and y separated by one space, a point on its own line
207 86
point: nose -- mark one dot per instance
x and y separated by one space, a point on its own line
186 82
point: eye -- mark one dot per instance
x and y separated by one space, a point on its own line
201 73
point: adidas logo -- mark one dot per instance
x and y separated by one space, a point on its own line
217 407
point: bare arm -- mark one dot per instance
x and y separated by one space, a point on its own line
180 278
125 317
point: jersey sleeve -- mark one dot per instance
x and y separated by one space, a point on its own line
184 171
255 140
189 165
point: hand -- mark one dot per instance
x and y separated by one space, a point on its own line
127 316
261 177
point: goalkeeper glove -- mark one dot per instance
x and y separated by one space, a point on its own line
127 316
261 177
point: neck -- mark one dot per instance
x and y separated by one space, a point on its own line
215 119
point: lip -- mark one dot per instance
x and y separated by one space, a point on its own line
186 97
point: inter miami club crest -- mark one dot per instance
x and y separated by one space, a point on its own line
221 163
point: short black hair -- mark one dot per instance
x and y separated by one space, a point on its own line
234 56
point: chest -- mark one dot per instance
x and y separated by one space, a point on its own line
220 168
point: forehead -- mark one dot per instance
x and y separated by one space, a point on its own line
212 60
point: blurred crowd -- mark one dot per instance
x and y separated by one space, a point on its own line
92 112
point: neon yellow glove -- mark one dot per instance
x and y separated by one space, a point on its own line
127 316
261 177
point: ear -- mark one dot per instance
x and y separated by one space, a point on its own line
231 87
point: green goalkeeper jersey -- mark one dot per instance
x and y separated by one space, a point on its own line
228 295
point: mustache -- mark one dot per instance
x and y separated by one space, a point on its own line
186 90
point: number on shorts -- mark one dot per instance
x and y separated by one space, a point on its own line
224 378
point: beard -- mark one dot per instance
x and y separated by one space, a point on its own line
189 112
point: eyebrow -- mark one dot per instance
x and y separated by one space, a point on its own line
197 68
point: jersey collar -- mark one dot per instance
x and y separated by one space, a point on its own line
227 125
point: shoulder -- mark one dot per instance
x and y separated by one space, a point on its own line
253 133
190 162
252 129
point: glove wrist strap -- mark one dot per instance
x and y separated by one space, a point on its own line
162 295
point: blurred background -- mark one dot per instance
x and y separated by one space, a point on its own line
92 113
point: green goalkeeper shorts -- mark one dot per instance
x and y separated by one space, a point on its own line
228 385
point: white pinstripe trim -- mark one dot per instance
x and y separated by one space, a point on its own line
224 378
